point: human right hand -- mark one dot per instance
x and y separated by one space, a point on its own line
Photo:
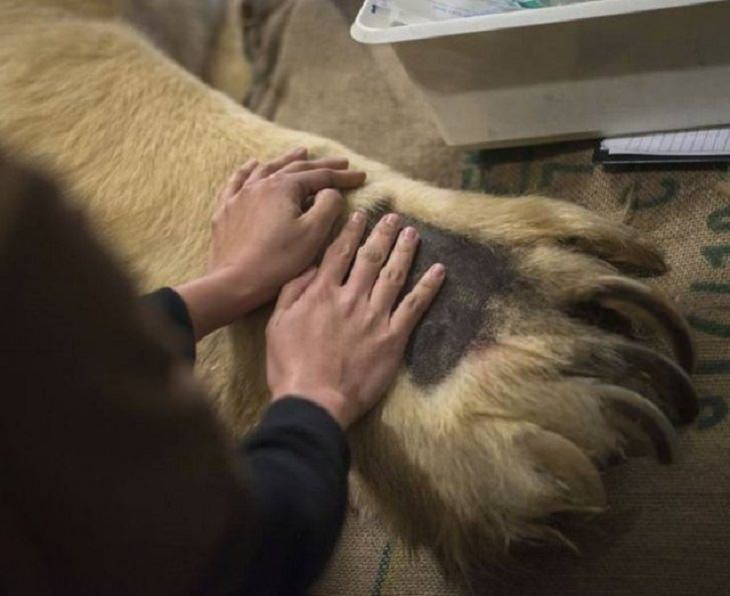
339 342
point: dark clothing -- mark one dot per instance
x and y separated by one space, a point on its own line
117 477
168 301
296 463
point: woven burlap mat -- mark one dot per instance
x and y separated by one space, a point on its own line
668 531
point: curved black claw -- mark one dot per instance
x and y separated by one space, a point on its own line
639 302
665 377
639 420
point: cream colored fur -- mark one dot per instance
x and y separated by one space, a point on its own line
145 145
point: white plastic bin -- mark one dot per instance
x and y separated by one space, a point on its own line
594 69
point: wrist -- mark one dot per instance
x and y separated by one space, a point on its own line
215 300
332 401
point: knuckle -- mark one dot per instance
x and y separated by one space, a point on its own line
388 342
271 183
405 248
272 324
330 194
342 249
370 254
348 301
371 319
385 230
321 292
430 284
413 302
227 206
394 335
338 250
393 275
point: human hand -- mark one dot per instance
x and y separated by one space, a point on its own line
339 343
262 237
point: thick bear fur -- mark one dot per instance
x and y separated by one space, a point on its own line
512 397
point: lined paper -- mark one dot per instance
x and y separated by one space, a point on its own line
708 142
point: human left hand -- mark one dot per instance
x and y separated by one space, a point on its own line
262 236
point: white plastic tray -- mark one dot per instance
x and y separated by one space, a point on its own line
599 68
365 29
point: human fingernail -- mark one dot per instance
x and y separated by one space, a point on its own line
357 217
438 270
300 150
410 233
392 218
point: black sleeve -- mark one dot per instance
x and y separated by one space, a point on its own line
168 302
296 463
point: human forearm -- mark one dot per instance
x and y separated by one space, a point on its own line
216 300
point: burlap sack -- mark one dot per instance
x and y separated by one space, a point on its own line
668 530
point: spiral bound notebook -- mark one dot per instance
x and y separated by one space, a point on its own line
709 144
